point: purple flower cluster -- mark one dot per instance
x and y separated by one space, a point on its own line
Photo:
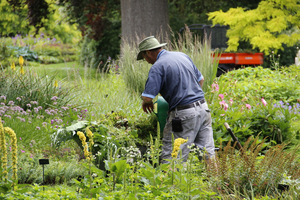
292 109
48 117
18 40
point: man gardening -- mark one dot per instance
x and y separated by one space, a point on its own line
177 79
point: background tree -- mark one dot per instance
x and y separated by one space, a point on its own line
37 11
189 12
142 18
23 17
268 27
100 25
12 18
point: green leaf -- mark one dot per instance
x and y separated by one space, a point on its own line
77 126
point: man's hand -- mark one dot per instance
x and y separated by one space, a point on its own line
147 104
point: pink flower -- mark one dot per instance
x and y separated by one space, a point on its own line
248 106
224 105
22 151
231 102
263 101
221 96
215 87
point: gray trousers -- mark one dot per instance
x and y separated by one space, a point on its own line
197 128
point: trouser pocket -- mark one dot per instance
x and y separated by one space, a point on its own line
177 125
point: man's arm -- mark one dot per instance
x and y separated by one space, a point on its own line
147 104
201 82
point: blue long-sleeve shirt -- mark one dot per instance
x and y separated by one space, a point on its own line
176 78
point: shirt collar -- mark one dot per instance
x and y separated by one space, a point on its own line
159 54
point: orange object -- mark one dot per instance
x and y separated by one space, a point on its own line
240 58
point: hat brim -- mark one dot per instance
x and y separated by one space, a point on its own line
140 56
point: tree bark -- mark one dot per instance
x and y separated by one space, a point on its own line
143 18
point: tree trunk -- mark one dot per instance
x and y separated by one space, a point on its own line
143 18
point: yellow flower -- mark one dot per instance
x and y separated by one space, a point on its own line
55 83
22 70
84 144
3 151
13 66
176 148
21 60
90 135
13 137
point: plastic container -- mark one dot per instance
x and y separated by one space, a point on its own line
162 112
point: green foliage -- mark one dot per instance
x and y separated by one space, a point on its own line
13 19
268 27
242 92
5 53
249 173
57 26
32 105
283 57
47 17
182 12
36 191
31 87
101 28
278 85
25 52
112 132
95 53
56 53
36 49
61 169
134 72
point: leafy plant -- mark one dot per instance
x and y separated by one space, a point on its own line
250 172
25 52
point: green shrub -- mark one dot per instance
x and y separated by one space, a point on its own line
239 102
56 53
5 54
283 84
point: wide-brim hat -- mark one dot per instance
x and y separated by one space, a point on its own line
148 43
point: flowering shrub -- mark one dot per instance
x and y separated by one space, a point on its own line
251 111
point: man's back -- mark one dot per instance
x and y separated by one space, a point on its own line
179 78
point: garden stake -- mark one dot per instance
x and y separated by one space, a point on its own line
235 139
43 162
